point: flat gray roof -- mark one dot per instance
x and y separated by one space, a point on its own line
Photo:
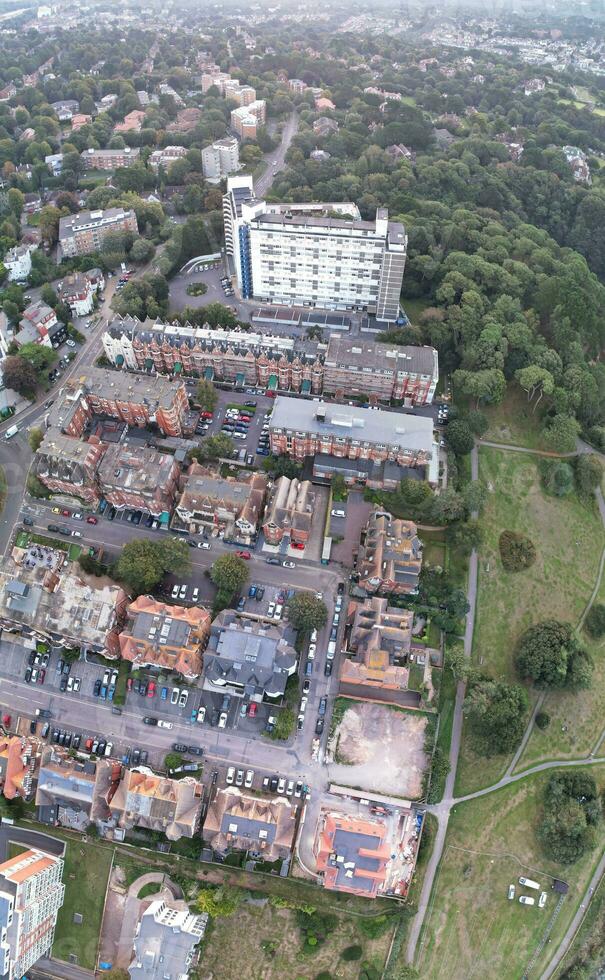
411 432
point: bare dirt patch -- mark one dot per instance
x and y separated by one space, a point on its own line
379 749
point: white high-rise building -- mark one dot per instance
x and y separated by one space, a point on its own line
31 894
220 159
306 256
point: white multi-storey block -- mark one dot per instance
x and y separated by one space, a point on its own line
31 894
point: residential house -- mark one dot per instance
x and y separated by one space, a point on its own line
8 92
139 477
223 505
54 162
40 326
322 104
390 555
163 158
133 122
43 596
376 665
169 806
67 466
300 428
18 262
352 853
297 85
171 638
246 120
248 657
289 511
65 789
398 151
18 758
264 827
186 120
133 399
76 290
79 120
165 941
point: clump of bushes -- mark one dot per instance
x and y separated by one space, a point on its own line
351 953
517 552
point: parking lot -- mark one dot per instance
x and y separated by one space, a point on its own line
246 435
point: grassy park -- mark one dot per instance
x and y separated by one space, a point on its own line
514 422
85 877
471 928
569 538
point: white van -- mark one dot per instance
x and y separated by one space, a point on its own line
526 900
331 649
528 883
11 431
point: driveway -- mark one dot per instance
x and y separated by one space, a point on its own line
349 529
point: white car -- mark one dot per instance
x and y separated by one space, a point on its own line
288 564
165 724
281 785
249 778
76 534
106 677
175 592
230 775
313 636
290 787
109 748
175 695
183 592
183 698
542 900
526 900
303 705
201 714
270 610
278 611
222 722
196 594
338 513
511 892
77 516
312 649
70 343
204 544
70 683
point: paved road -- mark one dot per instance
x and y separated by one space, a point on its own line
276 160
31 838
443 810
57 968
576 922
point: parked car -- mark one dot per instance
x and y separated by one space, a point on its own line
184 696
244 554
164 693
174 697
249 778
230 777
281 786
322 707
201 714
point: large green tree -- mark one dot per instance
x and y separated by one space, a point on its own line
206 396
306 612
550 655
143 563
229 573
496 712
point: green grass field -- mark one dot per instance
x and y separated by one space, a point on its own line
569 538
85 878
514 421
472 929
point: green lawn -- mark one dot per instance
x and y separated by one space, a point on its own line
569 537
514 421
85 878
471 929
433 548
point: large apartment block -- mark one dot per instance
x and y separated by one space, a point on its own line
31 894
246 119
110 159
220 159
137 401
381 372
293 258
82 233
300 428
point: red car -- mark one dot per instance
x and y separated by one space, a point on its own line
129 684
6 720
92 520
207 415
88 744
66 513
252 710
243 554
297 544
41 676
151 689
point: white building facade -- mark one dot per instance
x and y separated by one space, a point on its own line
220 159
31 894
292 258
18 262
